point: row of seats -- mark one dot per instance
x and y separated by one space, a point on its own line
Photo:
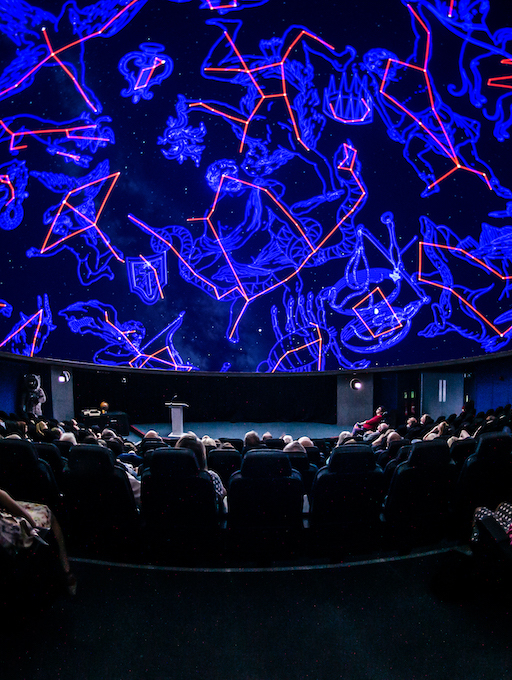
93 496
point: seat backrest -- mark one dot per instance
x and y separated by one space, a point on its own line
224 462
90 460
176 495
348 491
422 488
24 475
351 459
494 446
462 449
176 462
51 454
274 443
486 475
433 453
266 490
97 493
234 441
315 456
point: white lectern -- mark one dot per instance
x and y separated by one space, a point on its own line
176 417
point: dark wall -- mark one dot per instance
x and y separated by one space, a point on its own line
11 384
306 397
231 398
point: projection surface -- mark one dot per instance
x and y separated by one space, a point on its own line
255 185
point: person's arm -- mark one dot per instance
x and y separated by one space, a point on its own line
9 504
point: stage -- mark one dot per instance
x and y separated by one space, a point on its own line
237 430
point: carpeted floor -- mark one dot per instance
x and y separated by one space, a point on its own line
238 430
409 618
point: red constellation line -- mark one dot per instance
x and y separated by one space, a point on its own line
447 149
53 54
250 72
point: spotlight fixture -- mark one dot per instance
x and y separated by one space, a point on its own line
64 377
356 384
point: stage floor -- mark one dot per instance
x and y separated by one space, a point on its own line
237 430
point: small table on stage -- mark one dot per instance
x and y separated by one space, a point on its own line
176 417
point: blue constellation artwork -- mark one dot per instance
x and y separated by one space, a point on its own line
29 334
268 187
74 223
147 276
181 139
123 341
82 133
13 184
144 69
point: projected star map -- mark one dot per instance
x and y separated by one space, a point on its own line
254 186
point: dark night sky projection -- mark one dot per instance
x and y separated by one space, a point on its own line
255 186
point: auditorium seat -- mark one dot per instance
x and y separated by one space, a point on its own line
486 476
177 497
26 476
301 463
266 492
347 493
315 456
420 495
99 501
238 444
51 454
224 462
461 450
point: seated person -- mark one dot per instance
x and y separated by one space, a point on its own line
371 435
370 424
440 430
252 441
502 515
192 442
38 518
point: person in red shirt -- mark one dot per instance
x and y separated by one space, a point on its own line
371 423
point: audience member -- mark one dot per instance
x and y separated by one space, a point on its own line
370 424
192 442
39 519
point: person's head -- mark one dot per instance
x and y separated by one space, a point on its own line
68 437
294 446
382 427
266 435
392 437
412 422
251 439
343 437
208 442
152 434
107 434
380 411
191 441
426 419
287 438
306 442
